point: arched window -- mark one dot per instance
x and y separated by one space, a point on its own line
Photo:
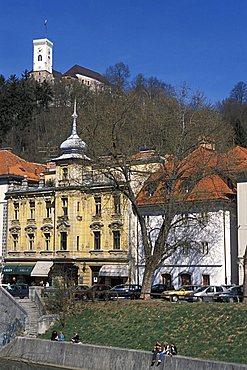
39 58
167 279
185 278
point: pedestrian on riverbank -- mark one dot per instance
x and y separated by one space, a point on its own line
156 353
60 337
54 335
75 338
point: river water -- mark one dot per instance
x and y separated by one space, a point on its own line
16 365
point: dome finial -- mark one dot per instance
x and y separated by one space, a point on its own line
74 115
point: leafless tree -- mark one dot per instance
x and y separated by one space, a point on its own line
172 126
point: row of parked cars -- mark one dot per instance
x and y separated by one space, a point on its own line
206 293
190 293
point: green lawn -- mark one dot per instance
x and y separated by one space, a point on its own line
216 331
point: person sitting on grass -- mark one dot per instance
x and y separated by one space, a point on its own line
173 349
156 352
166 351
75 338
54 335
60 337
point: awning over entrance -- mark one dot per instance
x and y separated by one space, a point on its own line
17 269
10 269
24 269
42 268
114 270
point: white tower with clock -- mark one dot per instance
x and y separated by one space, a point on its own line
42 55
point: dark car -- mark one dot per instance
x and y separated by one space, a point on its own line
127 291
19 290
79 290
157 289
234 294
97 291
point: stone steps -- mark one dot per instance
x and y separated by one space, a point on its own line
31 329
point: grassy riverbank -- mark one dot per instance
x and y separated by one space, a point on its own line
216 331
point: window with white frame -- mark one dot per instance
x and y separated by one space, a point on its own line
16 210
32 209
15 241
47 241
31 241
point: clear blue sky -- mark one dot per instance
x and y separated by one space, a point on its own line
201 42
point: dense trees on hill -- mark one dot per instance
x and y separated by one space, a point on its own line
35 118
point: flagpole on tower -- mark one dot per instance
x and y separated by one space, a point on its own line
45 24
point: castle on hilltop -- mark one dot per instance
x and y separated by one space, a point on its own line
43 67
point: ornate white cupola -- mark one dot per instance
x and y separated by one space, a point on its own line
42 55
73 147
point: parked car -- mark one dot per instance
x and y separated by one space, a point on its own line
79 290
97 291
127 291
157 289
18 290
207 293
234 294
180 293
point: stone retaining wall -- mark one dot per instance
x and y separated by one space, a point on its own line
13 317
92 357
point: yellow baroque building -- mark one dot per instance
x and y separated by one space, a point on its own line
71 225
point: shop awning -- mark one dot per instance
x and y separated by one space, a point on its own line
20 269
24 269
114 270
42 268
10 269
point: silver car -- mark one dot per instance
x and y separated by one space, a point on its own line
207 293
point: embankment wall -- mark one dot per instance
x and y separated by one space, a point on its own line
93 357
13 317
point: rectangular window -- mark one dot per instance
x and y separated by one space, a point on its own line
116 239
96 240
65 206
77 243
65 173
47 241
97 206
16 211
48 208
205 279
31 242
205 248
32 210
117 208
63 241
204 216
78 207
15 242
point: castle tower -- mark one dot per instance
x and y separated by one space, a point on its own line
42 60
42 55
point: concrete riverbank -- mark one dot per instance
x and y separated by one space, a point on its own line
91 357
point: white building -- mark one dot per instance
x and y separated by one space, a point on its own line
242 225
206 254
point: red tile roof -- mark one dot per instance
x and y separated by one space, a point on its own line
203 175
11 164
